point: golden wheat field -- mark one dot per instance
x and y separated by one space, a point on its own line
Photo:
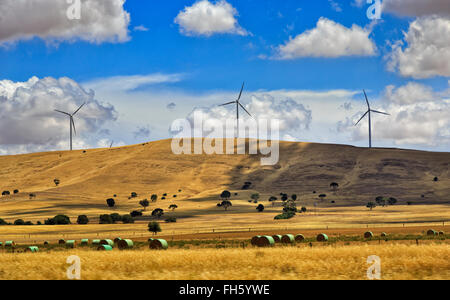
398 261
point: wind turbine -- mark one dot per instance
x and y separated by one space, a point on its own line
369 110
71 122
237 107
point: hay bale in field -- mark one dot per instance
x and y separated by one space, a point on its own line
105 248
32 249
277 238
84 242
107 242
266 241
71 244
150 240
10 244
159 244
61 242
322 237
288 239
96 242
116 240
125 244
368 234
299 238
384 234
431 232
254 240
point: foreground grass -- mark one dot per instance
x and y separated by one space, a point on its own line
398 261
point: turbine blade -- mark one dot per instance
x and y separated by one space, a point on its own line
362 118
228 103
73 124
62 112
245 110
242 89
367 100
79 108
379 112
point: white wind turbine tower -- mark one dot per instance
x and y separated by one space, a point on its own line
368 112
71 122
237 108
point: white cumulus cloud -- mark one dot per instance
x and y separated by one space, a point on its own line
205 18
329 39
27 111
100 21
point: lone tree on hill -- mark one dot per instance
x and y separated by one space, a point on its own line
154 227
371 205
111 202
144 203
225 204
158 213
225 195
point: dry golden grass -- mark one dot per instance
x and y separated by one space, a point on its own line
398 261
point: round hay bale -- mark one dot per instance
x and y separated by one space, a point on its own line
61 242
431 232
125 244
384 234
96 242
105 248
368 234
10 244
107 242
266 241
322 237
84 242
159 244
71 244
288 239
150 240
32 249
254 240
46 243
116 240
299 238
441 233
1 244
277 238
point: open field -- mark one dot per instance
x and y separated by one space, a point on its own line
398 261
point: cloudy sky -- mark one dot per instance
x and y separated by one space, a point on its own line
140 65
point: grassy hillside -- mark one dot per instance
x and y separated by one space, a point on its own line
89 177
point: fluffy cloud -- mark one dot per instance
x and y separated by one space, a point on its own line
100 21
27 110
427 53
204 18
417 7
419 116
329 39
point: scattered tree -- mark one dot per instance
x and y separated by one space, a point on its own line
56 181
116 217
435 179
32 196
154 198
110 202
173 207
294 197
106 219
3 222
19 222
58 220
334 186
322 197
303 209
134 195
136 213
144 203
255 197
284 197
225 195
127 219
154 227
158 213
393 201
171 220
273 199
225 204
260 208
16 191
82 220
371 205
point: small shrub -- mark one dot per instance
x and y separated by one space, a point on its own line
260 208
82 220
285 216
134 195
16 191
110 202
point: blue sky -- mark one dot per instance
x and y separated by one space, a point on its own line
211 66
